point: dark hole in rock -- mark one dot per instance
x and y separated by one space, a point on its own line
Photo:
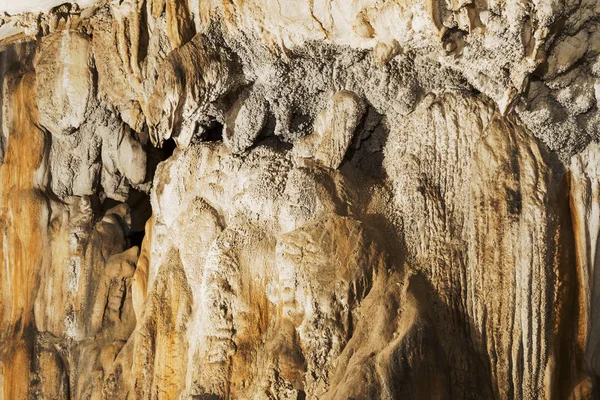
140 212
168 148
273 142
136 238
213 133
106 205
156 155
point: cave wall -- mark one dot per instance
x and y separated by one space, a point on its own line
225 199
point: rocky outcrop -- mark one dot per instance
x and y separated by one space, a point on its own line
288 200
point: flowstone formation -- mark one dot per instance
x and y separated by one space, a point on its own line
226 199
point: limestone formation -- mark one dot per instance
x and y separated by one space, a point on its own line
226 199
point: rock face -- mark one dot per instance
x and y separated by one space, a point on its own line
321 199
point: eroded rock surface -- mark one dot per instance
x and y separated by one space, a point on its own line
300 200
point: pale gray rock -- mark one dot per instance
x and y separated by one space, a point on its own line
336 126
65 87
246 121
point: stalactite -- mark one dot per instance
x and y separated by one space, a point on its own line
226 199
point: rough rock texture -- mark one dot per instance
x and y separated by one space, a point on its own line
226 199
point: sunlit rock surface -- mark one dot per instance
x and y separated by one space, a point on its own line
225 199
